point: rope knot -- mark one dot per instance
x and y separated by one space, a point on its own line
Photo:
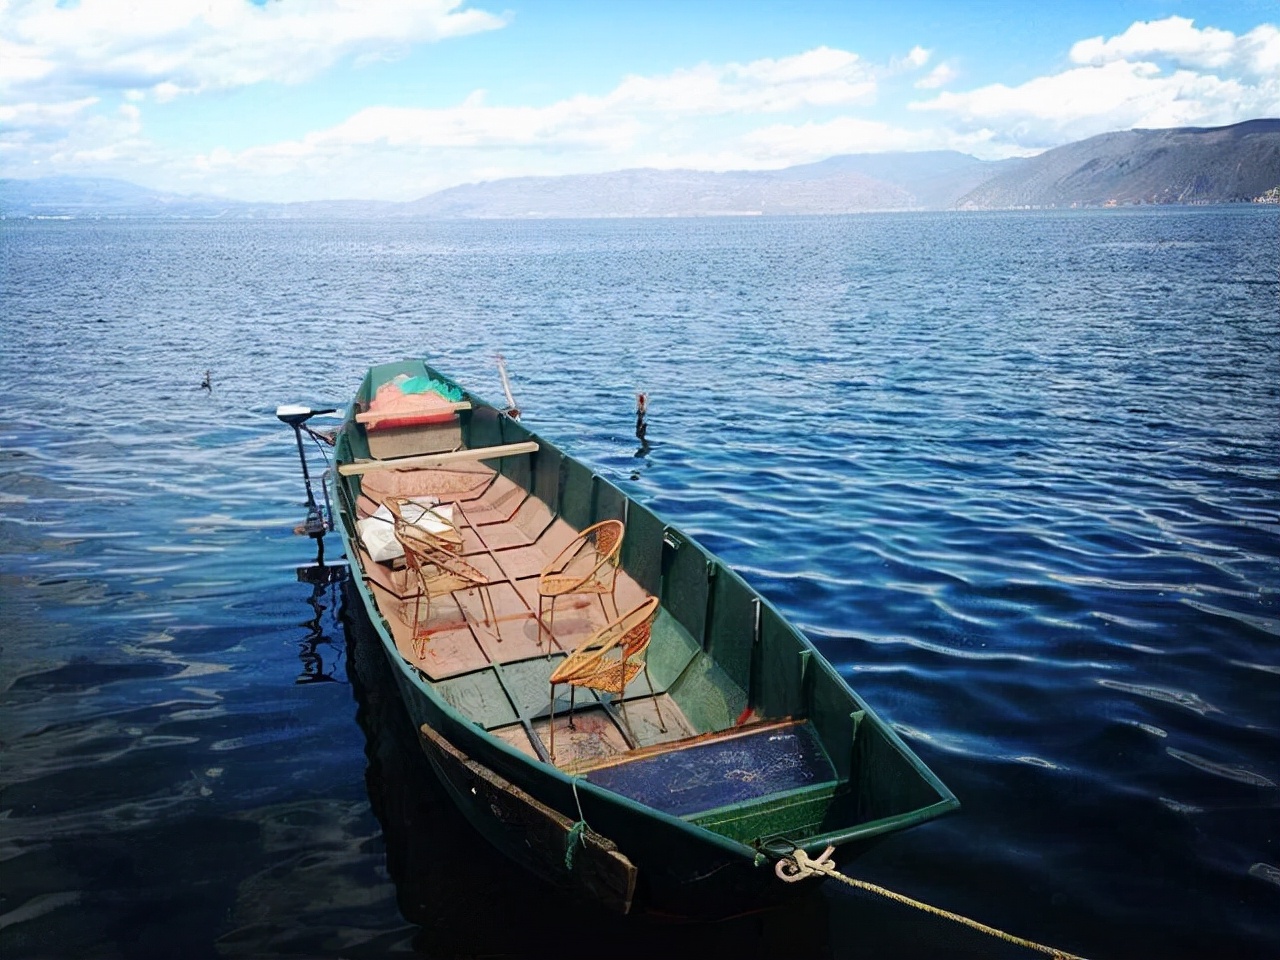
798 865
571 842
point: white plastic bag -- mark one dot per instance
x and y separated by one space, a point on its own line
377 531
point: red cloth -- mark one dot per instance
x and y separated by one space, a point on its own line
392 407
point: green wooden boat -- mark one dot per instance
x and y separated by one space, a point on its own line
699 740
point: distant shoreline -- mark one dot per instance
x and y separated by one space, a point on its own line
1177 167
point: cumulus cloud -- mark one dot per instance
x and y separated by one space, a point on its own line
76 82
44 114
817 77
914 60
1165 73
1179 40
792 143
67 135
21 62
176 47
614 122
939 76
60 61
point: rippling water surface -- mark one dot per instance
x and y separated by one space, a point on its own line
1017 475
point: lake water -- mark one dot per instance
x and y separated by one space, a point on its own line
1016 474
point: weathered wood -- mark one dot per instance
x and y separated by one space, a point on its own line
596 867
438 459
685 743
736 772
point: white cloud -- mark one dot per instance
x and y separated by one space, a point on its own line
1165 73
637 111
75 85
798 143
20 62
176 47
914 60
939 76
818 77
1177 39
44 114
67 136
65 70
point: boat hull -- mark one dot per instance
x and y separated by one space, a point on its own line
609 844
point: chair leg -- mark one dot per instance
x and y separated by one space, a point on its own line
487 609
552 724
420 641
487 599
661 724
551 628
621 701
417 602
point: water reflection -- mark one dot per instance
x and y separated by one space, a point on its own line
642 434
321 655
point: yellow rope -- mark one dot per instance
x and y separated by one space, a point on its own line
798 865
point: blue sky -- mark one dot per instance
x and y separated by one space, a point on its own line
394 99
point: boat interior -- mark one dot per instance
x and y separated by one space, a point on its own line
675 685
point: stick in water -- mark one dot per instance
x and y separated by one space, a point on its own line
512 410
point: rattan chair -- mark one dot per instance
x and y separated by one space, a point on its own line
588 564
607 661
429 522
438 572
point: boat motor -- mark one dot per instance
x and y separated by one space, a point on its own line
319 520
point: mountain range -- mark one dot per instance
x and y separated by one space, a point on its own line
1184 165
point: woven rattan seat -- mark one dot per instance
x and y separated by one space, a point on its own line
420 518
588 564
438 572
607 661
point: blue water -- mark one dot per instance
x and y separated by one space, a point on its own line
1016 474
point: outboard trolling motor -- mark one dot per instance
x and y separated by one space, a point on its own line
319 520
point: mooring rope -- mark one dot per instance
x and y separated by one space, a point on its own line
798 865
574 836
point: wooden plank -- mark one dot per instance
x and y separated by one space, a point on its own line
536 834
438 459
370 417
722 773
685 743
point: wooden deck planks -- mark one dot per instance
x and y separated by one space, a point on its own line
497 503
498 672
455 484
